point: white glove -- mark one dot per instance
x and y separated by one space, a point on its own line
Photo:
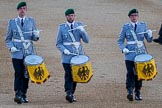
81 28
14 49
67 52
125 50
149 32
36 33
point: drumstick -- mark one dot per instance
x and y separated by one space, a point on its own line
131 51
76 28
31 31
145 32
74 54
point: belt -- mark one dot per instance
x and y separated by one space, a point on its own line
71 43
134 42
18 40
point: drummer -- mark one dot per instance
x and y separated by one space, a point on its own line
18 49
129 32
69 43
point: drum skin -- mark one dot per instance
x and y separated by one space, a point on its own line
81 69
37 70
145 67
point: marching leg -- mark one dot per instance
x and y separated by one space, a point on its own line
68 82
130 79
138 85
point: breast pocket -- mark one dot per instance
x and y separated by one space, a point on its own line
15 33
128 35
65 36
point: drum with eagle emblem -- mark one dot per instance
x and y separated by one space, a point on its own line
145 67
81 69
36 68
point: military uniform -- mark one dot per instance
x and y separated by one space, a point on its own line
15 43
133 50
65 42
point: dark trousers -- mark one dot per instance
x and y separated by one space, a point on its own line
20 82
69 85
132 78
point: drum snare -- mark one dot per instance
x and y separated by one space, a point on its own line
36 68
81 69
145 67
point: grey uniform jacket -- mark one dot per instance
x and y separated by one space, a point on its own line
64 37
126 34
13 38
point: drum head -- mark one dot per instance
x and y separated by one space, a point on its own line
143 58
80 59
33 60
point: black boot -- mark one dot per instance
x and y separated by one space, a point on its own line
24 97
18 97
158 40
130 94
69 97
138 95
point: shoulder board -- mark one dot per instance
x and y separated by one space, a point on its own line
63 24
30 18
141 22
80 23
126 24
12 19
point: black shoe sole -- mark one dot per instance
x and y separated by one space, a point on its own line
69 99
158 42
18 100
130 97
138 99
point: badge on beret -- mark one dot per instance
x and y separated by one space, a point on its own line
132 11
69 11
21 4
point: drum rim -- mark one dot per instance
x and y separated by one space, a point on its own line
33 64
143 61
81 63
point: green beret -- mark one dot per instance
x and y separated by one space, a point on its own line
21 4
132 11
69 11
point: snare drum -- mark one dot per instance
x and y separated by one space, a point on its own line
145 67
81 69
37 70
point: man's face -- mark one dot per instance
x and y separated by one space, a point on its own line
134 17
22 11
70 18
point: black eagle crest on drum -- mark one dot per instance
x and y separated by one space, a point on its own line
83 72
148 69
39 73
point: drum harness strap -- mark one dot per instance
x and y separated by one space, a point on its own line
76 44
139 43
26 46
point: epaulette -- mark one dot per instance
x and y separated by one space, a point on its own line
141 22
79 23
63 24
12 19
30 17
126 24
